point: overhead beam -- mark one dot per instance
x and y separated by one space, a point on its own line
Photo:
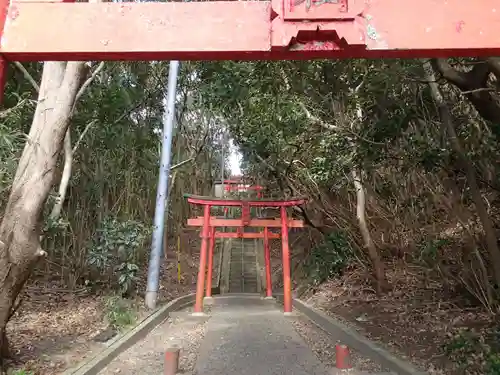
244 30
248 235
227 202
238 223
135 31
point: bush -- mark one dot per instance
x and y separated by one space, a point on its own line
116 246
119 313
329 258
475 351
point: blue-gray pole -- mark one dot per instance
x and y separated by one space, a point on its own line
162 190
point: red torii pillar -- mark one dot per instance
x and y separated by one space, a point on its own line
210 262
267 255
208 223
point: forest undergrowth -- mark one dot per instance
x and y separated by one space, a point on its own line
58 327
437 324
398 160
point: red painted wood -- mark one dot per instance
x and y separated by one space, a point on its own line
249 30
208 292
287 282
342 357
231 187
4 4
235 223
238 203
249 235
200 287
43 1
147 30
245 213
3 77
267 258
297 10
233 181
171 364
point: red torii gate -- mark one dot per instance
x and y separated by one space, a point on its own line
236 185
209 233
241 187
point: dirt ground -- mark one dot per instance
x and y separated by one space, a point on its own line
417 320
146 356
55 327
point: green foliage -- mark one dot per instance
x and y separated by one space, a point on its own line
119 312
468 349
116 244
22 372
298 126
429 250
493 364
329 258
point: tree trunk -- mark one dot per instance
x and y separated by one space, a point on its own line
378 265
20 228
457 147
474 85
66 175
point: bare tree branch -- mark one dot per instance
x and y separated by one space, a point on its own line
89 80
27 75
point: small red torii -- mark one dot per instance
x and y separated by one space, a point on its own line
209 233
238 184
240 187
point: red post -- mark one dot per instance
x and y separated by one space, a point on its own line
200 287
267 251
3 77
171 365
208 293
342 357
287 284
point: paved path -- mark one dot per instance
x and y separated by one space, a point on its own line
252 337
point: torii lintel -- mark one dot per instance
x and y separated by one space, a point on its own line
249 30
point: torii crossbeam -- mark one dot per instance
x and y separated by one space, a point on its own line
258 30
35 30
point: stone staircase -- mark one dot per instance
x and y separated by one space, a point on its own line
243 267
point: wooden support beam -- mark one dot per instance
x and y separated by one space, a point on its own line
235 223
248 235
225 202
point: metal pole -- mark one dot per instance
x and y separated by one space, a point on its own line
162 190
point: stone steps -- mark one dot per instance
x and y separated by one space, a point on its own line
243 267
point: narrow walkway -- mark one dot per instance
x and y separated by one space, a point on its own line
250 336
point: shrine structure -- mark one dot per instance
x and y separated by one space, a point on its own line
209 233
45 30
